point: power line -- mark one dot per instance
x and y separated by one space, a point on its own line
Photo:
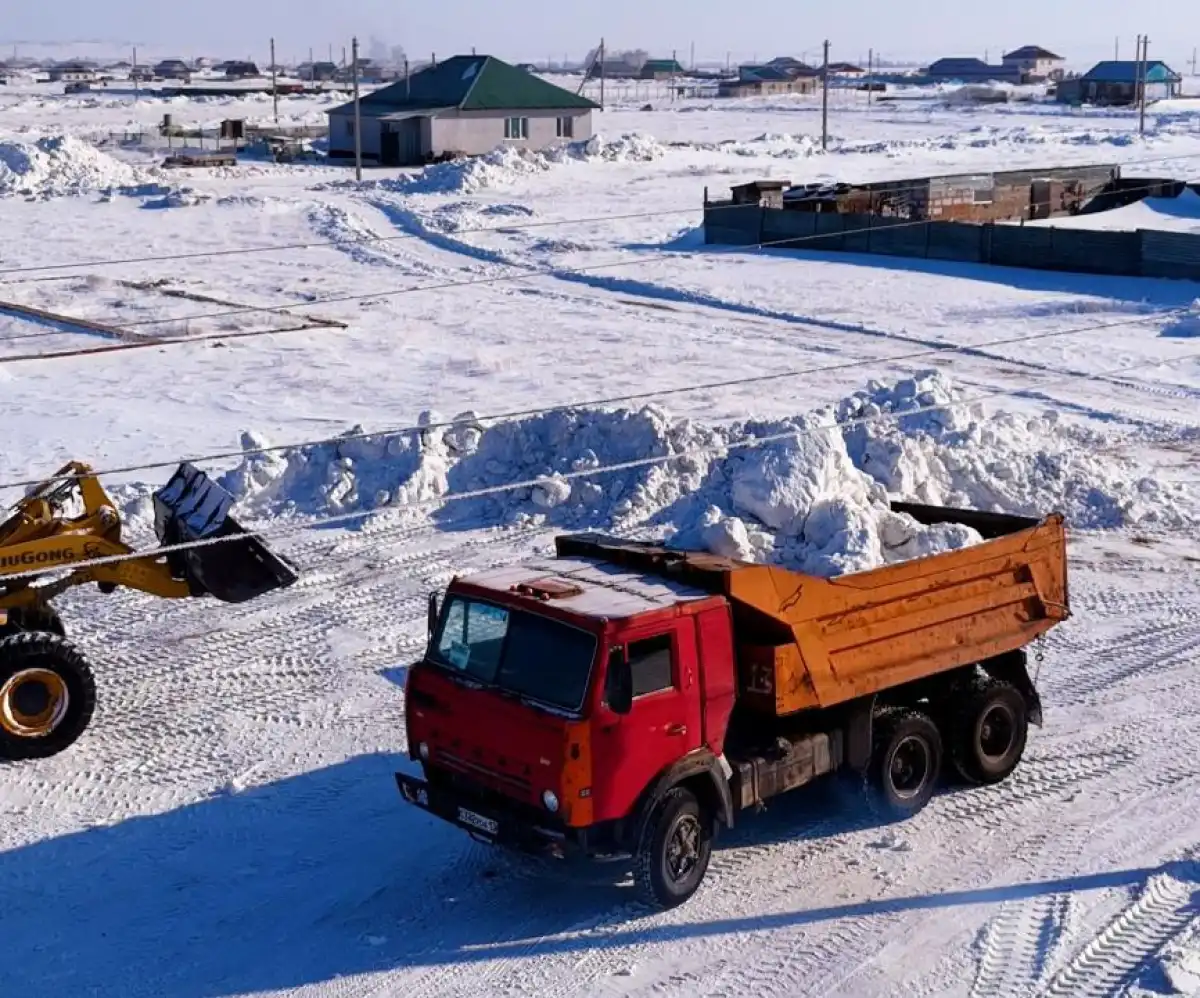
473 230
966 349
344 518
526 274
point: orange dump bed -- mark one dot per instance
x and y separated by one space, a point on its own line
807 642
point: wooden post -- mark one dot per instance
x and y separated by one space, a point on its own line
357 113
825 99
274 89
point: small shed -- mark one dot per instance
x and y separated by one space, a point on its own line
765 193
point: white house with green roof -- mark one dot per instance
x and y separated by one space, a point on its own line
468 106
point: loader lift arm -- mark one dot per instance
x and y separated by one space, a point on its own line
46 689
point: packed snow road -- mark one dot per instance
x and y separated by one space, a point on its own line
231 827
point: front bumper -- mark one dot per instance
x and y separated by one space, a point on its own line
485 819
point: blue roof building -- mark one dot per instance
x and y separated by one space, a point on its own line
1114 82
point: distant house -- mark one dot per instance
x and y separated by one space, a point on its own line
238 70
321 72
614 70
846 69
1115 83
72 72
467 105
791 65
173 69
661 69
764 81
1036 62
972 71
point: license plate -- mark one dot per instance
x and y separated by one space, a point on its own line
478 821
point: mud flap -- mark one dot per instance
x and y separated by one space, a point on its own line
192 507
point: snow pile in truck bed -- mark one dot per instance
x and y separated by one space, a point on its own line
58 166
816 498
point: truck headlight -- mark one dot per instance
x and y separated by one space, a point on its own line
550 799
423 751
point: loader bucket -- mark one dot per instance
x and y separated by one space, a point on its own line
192 507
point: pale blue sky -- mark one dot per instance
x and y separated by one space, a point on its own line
536 29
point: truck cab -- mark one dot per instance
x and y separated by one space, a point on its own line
533 672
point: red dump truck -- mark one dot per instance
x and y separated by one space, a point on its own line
623 698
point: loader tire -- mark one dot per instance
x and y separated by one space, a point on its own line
47 695
675 848
40 617
906 763
988 729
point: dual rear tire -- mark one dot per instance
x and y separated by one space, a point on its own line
983 734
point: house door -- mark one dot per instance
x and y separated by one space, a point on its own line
1039 199
389 147
411 151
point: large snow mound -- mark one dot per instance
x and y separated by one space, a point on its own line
58 166
811 491
507 165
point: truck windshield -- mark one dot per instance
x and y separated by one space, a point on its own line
519 652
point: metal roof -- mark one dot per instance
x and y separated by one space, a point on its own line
473 83
1031 52
608 591
1126 71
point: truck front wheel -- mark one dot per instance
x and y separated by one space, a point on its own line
906 762
989 731
675 848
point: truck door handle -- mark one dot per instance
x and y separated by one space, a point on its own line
676 729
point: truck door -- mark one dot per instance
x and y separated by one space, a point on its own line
662 726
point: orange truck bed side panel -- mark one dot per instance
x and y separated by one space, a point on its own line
858 634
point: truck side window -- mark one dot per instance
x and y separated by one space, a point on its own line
650 663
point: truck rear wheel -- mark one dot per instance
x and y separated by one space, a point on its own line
674 851
906 762
47 695
989 729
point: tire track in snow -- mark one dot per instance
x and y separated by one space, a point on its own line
1114 956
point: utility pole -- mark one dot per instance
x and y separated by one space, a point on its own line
407 81
1142 84
674 63
137 77
601 74
1193 62
1117 48
825 99
870 76
693 57
274 89
357 114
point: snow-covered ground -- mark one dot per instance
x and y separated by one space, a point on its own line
229 825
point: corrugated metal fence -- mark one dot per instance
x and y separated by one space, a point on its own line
1143 253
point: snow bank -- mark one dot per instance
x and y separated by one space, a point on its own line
810 491
508 164
59 166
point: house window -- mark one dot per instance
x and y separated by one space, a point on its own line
516 128
650 664
566 128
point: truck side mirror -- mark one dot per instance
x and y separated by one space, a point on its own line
432 617
619 685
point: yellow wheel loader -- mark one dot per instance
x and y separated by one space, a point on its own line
47 692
